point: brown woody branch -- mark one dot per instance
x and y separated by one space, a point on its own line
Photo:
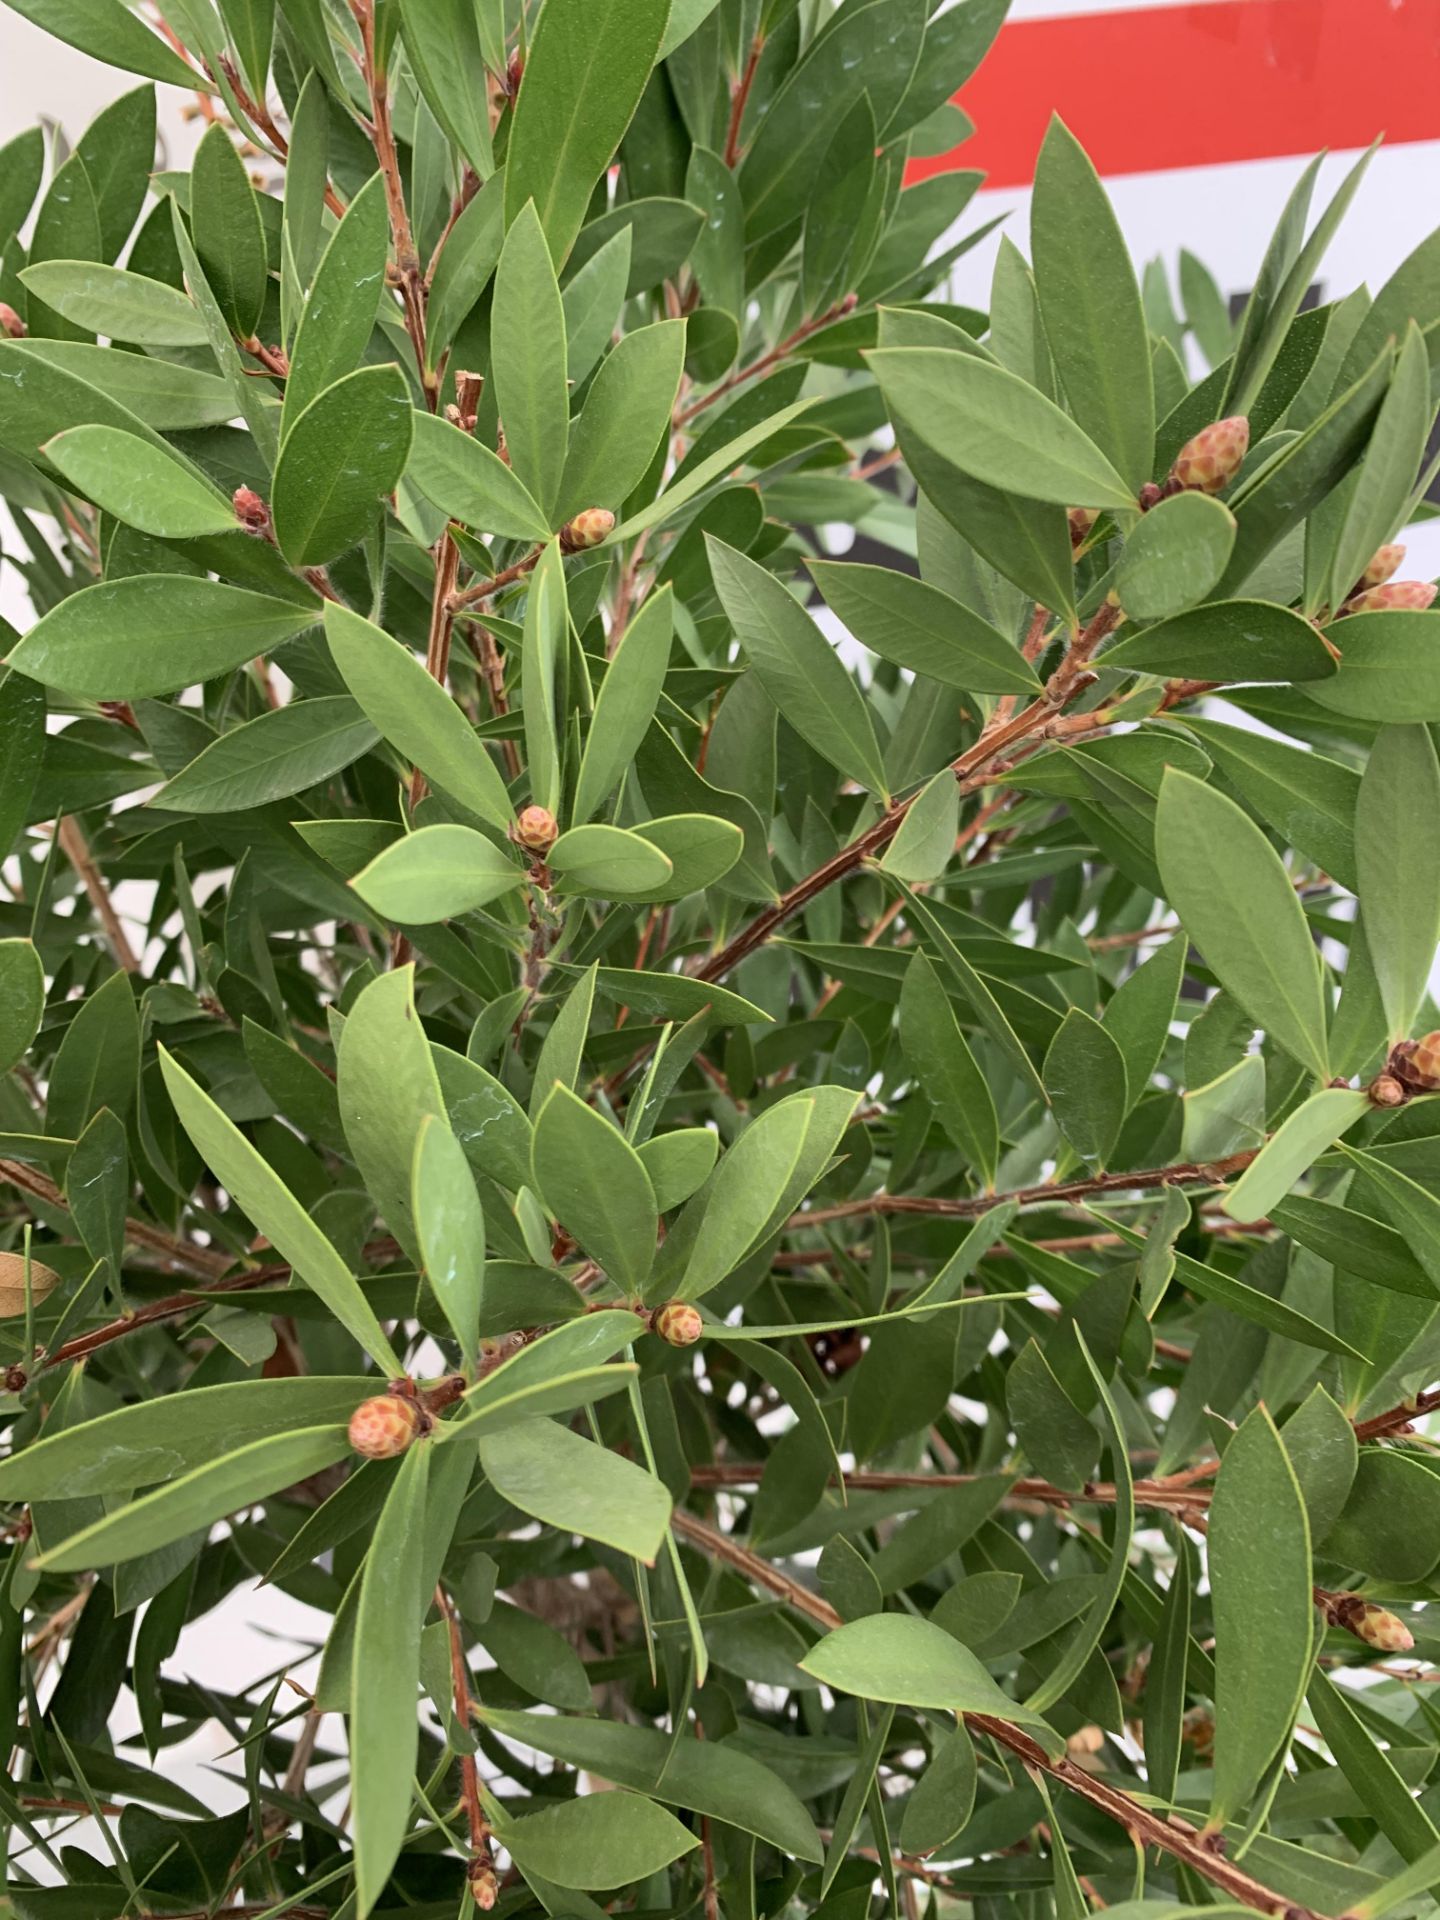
1176 1495
766 360
76 849
1210 1173
1170 1833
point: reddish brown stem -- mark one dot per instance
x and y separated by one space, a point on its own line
766 360
487 589
739 99
1170 1833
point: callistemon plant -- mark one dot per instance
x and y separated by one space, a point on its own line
785 1203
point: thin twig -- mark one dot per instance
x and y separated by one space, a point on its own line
76 849
1170 1833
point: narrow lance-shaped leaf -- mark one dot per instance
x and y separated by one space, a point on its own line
255 1186
1397 854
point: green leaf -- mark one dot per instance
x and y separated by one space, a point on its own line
1175 557
1381 493
626 702
797 666
608 863
675 996
442 38
917 626
743 1193
1057 1438
339 313
600 1841
120 304
944 1795
161 1439
913 1663
1244 640
543 650
932 1042
436 873
98 1062
1389 669
1090 302
705 473
1397 855
384 1724
1259 1560
22 999
1210 855
153 634
678 1163
269 758
107 30
527 349
338 461
1306 798
158 492
486 1118
256 1188
1323 1451
587 66
1413 1209
996 428
467 260
925 844
705 1777
199 1498
570 1483
625 417
1086 1084
1387 1528
470 483
450 1227
1306 1133
388 1087
415 714
1164 1703
229 236
596 1185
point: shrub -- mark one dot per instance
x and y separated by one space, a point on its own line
704 1200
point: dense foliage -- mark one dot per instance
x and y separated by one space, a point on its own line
706 1201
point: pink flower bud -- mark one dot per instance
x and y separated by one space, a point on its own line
11 323
1383 565
1209 462
250 510
537 829
385 1426
1395 596
678 1323
587 529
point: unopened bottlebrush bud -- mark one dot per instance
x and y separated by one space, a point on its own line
1209 462
385 1426
1421 1063
1383 565
11 323
678 1323
587 529
1386 1091
1375 1625
537 829
1409 596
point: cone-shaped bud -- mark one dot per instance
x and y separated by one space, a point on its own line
678 1323
1422 1067
1375 1625
1081 520
1209 462
1408 596
11 323
1383 565
385 1426
537 829
1386 1091
587 529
